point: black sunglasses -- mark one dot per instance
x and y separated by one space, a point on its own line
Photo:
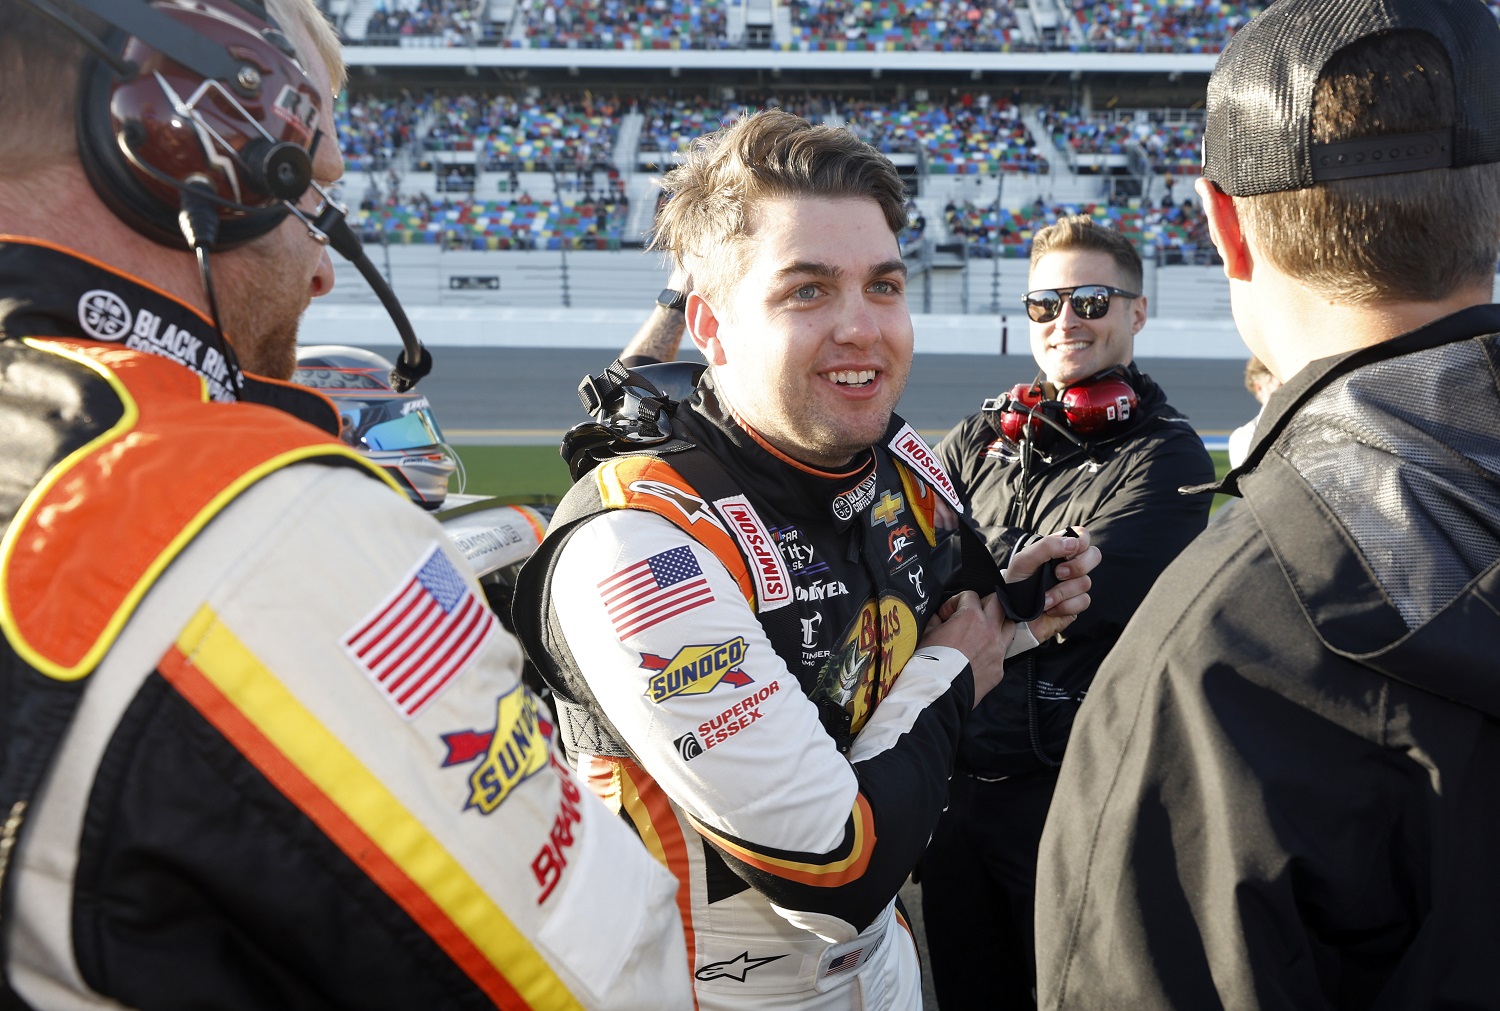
1090 301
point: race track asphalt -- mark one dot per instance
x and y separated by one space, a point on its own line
526 396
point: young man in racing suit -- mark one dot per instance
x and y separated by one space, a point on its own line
264 746
755 617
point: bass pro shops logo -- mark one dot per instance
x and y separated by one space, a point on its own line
696 670
514 750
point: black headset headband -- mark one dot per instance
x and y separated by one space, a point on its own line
160 32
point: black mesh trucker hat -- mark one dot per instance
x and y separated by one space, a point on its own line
1258 131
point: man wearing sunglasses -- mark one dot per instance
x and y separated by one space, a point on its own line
1121 483
1281 791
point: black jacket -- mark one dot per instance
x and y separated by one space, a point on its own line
1281 791
1124 488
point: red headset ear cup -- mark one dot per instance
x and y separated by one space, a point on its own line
1015 412
1098 404
255 172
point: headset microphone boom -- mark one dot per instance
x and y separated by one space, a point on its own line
198 125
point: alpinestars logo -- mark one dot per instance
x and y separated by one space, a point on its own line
688 747
735 968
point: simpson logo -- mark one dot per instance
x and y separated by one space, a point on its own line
912 448
103 315
773 587
688 747
691 506
846 504
514 750
696 670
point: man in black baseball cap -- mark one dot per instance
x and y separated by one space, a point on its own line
1281 791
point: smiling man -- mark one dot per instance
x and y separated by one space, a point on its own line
761 631
1119 479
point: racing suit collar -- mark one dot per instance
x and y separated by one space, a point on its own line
839 498
47 291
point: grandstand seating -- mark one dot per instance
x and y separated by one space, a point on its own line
448 22
868 25
516 223
549 134
371 130
1101 141
1159 26
1176 232
962 138
618 24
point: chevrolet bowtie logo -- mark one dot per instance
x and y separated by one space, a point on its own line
889 506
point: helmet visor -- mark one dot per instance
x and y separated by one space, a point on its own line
393 425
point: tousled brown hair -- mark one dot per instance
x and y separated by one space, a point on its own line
707 220
1416 236
1079 231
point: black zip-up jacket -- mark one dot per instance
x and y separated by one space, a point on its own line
1281 791
1123 486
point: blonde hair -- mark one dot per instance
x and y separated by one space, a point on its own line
1079 231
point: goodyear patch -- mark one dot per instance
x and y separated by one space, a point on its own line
514 750
696 670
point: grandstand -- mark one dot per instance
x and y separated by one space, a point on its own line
503 154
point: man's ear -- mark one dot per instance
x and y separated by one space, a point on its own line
1138 314
1225 231
703 328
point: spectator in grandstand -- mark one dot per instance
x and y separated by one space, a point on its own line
1261 384
1120 479
265 745
1281 790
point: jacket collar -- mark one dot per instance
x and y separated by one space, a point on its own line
49 291
1284 404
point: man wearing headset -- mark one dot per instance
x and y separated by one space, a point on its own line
263 744
1121 481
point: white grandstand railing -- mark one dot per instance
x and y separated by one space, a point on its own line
763 59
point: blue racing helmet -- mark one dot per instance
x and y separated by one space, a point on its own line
397 431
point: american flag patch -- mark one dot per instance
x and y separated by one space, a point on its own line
649 592
422 636
848 960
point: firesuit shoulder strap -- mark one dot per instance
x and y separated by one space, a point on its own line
120 462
